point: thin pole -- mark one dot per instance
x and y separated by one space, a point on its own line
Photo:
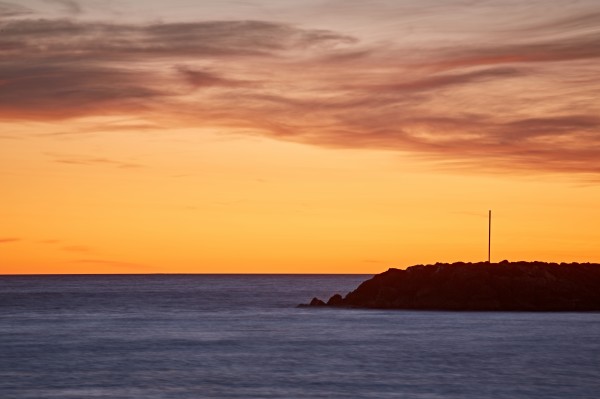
489 234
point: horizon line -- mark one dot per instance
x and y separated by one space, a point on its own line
176 274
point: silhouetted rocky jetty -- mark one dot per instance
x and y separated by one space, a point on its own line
504 286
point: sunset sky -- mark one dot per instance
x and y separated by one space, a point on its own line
288 136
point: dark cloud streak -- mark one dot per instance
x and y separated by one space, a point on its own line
76 40
581 47
202 79
58 90
8 240
91 161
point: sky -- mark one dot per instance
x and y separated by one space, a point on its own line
313 136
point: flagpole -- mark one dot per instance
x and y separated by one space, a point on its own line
489 234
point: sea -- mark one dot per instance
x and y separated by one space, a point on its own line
242 336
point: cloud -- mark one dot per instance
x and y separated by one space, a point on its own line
576 22
51 39
70 6
7 240
67 248
581 47
203 79
12 10
439 81
520 98
91 161
60 90
104 128
57 69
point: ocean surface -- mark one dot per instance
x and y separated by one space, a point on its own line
228 336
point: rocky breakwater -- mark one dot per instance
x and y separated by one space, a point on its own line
504 286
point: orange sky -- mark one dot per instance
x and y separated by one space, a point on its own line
296 137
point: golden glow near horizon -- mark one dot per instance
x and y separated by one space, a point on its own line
305 137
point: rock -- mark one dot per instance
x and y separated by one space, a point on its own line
504 286
316 302
335 300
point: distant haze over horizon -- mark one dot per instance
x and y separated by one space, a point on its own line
315 136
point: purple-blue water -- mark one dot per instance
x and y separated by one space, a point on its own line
219 336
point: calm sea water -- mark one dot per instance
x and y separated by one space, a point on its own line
214 336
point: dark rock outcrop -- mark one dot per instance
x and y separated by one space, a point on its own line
335 300
316 302
504 286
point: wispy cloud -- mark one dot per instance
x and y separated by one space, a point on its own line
7 240
115 126
49 39
12 10
202 79
55 90
70 6
580 47
519 97
62 68
90 161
